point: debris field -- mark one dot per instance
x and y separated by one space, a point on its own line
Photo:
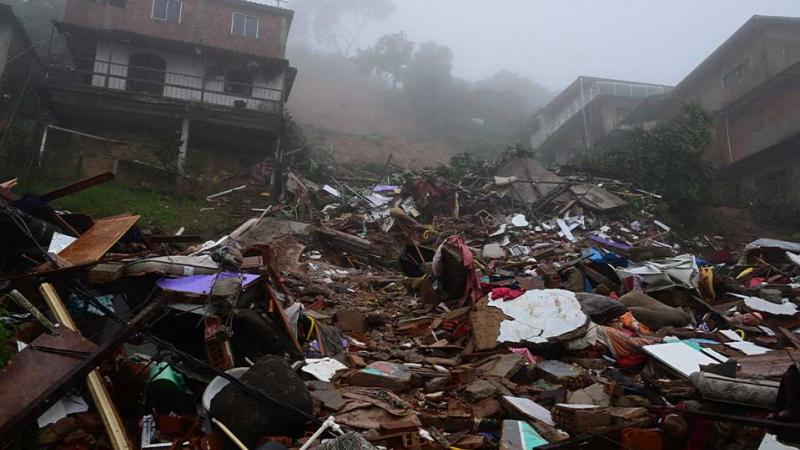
510 308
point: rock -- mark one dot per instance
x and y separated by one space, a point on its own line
675 426
437 384
493 251
771 295
622 415
350 321
375 320
600 308
250 418
395 377
351 441
569 375
326 394
356 360
592 395
380 356
629 401
444 362
504 366
480 390
485 321
488 407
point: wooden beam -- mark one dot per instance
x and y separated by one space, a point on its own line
102 399
76 187
36 406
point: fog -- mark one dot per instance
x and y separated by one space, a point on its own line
553 42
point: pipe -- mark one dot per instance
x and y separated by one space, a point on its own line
230 434
328 424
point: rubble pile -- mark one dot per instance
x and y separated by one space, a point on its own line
508 308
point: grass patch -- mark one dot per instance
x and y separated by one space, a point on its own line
160 212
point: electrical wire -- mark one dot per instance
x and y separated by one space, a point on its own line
162 344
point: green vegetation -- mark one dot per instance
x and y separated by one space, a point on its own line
478 118
159 211
666 159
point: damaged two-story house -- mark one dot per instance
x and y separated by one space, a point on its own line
212 73
751 86
584 114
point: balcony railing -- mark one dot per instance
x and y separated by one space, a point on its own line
597 89
148 81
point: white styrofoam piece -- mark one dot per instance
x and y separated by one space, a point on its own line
793 257
715 354
770 442
540 315
500 231
519 221
331 190
69 404
679 356
787 308
531 409
323 369
748 348
566 230
60 242
732 335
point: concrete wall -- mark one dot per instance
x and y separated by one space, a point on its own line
769 53
758 125
206 22
772 179
186 78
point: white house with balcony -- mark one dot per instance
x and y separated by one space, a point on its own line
584 113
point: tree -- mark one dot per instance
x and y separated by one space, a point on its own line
428 78
337 24
535 94
666 159
390 56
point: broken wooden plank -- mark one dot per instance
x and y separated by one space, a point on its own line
8 196
112 421
10 184
791 336
96 242
78 186
31 385
770 365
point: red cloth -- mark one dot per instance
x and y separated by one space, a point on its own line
701 433
634 360
472 290
506 293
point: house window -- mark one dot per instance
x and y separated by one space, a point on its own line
239 82
737 74
167 10
244 25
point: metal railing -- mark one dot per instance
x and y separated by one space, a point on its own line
149 81
597 89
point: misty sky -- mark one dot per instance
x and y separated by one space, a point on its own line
554 41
